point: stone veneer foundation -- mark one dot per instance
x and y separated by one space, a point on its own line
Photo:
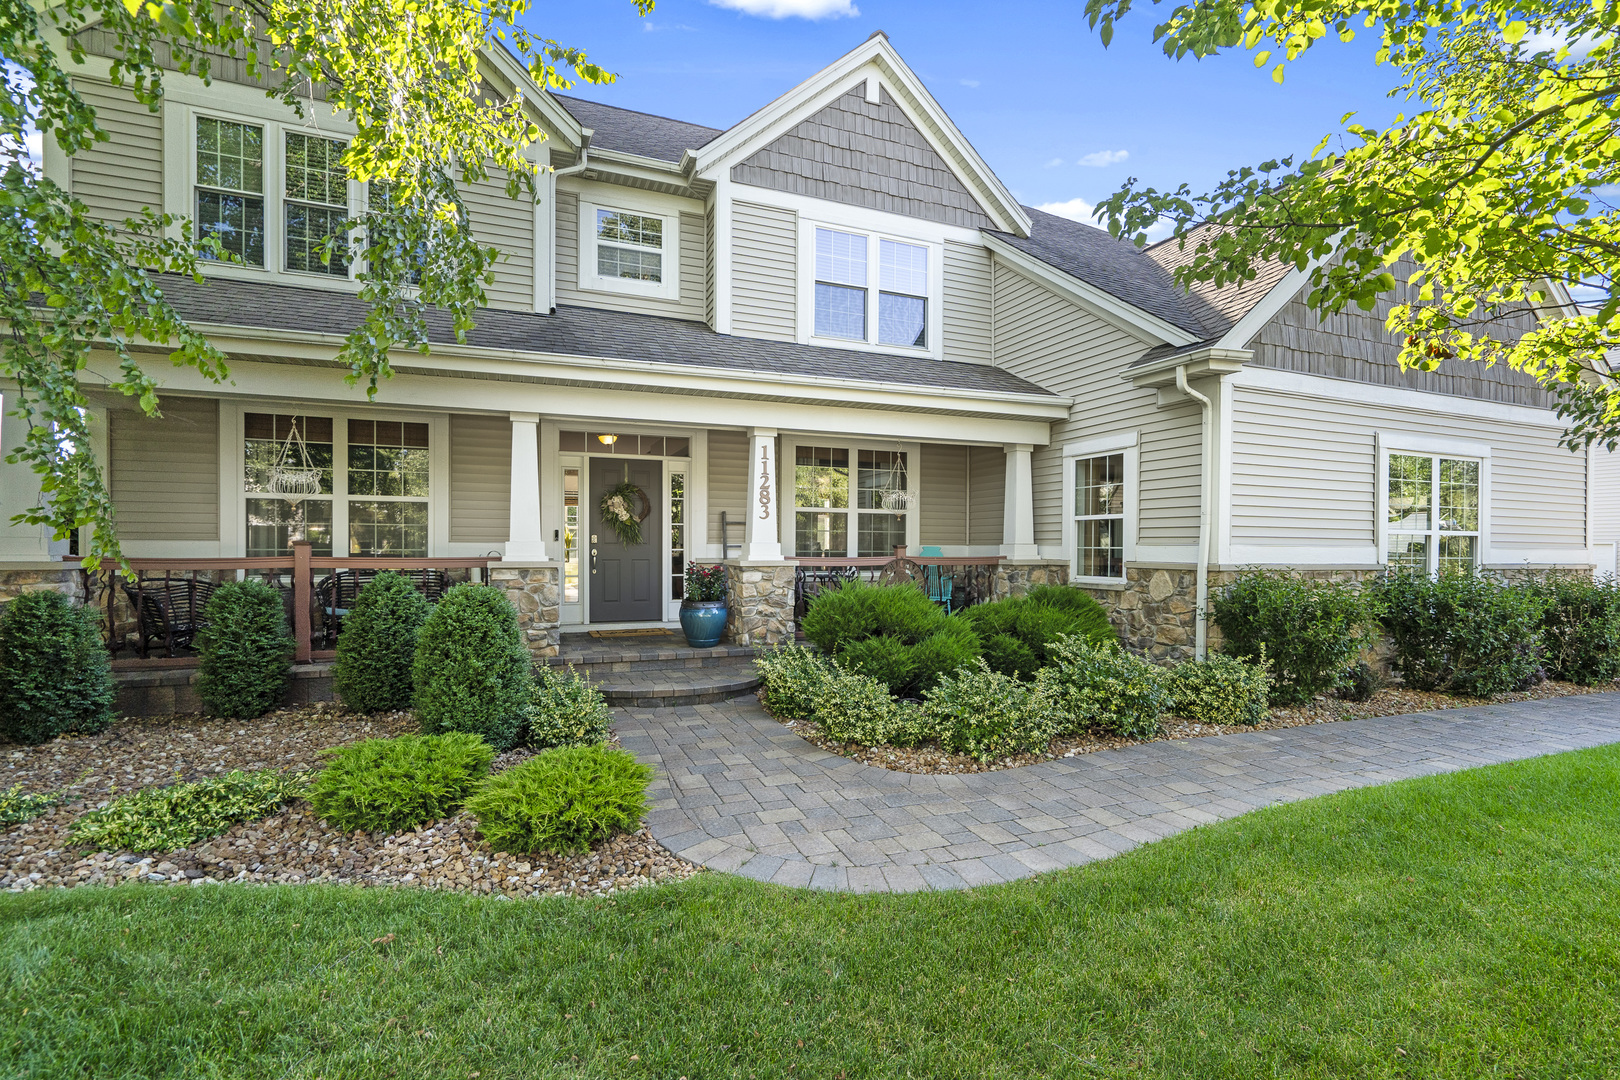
759 603
17 578
535 589
1015 578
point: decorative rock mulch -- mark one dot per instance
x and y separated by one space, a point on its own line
293 847
1394 701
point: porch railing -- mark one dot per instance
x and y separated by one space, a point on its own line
161 601
952 582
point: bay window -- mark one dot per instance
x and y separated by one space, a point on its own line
851 303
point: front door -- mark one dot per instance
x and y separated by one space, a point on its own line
625 578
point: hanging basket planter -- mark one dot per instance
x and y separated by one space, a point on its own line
623 509
294 477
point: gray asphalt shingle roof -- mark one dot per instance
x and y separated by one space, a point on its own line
632 132
581 331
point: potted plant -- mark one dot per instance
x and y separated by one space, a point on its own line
703 612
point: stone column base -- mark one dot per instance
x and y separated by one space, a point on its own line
535 589
759 603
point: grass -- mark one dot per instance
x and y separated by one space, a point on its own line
1457 926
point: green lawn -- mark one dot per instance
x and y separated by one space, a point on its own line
1459 926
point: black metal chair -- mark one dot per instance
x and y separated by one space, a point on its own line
810 580
336 593
169 610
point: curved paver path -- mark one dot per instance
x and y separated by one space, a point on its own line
737 791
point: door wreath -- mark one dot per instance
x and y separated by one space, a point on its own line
624 508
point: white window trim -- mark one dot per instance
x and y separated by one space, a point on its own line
234 496
788 489
1400 442
589 280
807 285
180 188
1126 443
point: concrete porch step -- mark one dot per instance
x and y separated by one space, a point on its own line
652 684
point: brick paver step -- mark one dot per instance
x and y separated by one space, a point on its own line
593 655
654 684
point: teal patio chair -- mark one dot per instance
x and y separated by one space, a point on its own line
939 582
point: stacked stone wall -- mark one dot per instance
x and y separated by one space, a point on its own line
759 603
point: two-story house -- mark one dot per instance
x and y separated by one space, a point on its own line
827 331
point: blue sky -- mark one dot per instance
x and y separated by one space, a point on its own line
1057 116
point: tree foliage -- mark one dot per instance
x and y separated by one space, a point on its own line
1488 197
407 73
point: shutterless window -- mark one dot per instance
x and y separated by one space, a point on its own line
230 188
1099 516
821 501
388 467
629 246
840 285
1431 515
570 536
880 530
677 535
387 231
273 523
317 204
903 294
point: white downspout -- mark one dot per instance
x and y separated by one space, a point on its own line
1205 496
584 155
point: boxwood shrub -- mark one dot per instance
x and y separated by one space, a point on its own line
1580 629
1220 690
562 800
378 644
566 709
1103 688
178 816
988 714
245 652
1311 631
1017 634
396 784
55 676
1463 633
471 671
893 633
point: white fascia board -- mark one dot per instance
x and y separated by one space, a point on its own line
548 108
1244 330
836 79
666 378
1275 380
1200 364
637 167
1107 307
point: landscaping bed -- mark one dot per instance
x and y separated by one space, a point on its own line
293 846
1395 701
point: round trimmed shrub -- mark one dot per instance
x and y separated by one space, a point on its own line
858 709
378 644
984 713
566 709
55 675
562 800
792 677
1463 633
471 671
1018 633
245 652
399 783
893 633
1581 630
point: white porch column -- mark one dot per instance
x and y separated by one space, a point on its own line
762 541
19 491
1018 504
525 541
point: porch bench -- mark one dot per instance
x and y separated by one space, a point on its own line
170 611
336 593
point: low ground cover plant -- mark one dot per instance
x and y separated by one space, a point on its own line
18 806
1580 629
893 633
174 817
566 709
1220 690
1017 634
562 800
244 651
471 671
791 677
55 676
1462 633
988 714
397 784
1105 689
378 644
1311 630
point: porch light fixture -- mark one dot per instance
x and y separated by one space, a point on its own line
607 440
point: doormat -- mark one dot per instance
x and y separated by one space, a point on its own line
651 632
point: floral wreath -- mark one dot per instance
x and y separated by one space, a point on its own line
624 508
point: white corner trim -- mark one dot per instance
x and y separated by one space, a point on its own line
1127 317
1102 444
1403 441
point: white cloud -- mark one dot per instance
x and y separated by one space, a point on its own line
1159 230
34 146
1553 40
1103 157
1074 210
971 84
1054 163
655 28
790 9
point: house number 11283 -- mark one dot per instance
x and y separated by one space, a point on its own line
764 483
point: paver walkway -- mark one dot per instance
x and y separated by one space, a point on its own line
737 791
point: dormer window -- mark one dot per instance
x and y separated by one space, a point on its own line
627 250
871 289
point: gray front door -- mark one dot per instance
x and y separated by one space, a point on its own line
625 578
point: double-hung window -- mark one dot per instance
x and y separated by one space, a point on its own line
316 205
1099 516
890 307
629 251
230 188
1432 513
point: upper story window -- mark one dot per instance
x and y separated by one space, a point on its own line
317 203
230 187
1432 513
890 307
629 251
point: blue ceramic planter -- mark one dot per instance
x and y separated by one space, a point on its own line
703 621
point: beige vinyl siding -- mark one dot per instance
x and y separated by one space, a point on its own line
987 486
764 271
692 302
1304 471
480 479
119 178
165 472
1051 342
711 291
728 483
507 224
967 303
942 495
